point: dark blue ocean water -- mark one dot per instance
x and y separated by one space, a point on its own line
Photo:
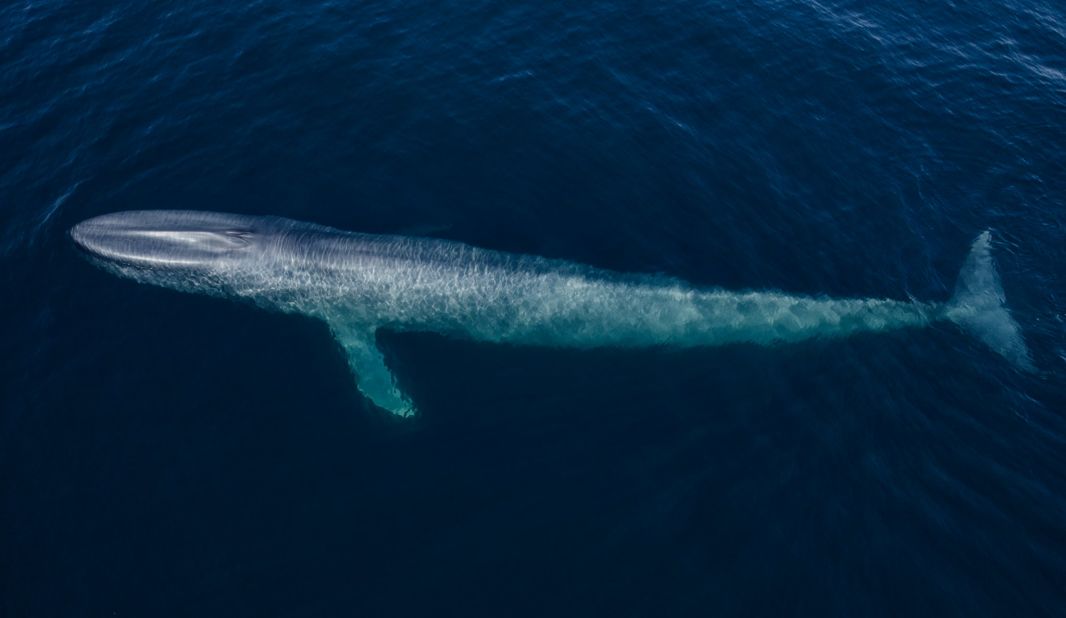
163 454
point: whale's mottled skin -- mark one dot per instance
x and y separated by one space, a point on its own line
358 283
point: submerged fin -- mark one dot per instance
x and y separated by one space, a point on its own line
373 377
979 306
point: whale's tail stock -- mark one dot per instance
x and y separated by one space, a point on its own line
979 307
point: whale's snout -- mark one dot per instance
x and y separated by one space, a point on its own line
163 237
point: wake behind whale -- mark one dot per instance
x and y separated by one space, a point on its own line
359 283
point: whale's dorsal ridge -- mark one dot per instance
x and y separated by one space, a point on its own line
373 377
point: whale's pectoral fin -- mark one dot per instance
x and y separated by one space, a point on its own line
373 378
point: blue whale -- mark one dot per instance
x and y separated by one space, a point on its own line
359 283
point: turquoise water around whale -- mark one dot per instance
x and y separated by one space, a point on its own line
170 454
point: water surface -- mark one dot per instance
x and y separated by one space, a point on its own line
163 454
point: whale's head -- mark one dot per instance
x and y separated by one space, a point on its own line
187 250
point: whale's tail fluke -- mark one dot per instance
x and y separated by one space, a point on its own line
979 306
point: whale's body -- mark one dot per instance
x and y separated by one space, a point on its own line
359 283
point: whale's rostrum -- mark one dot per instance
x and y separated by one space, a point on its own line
359 283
